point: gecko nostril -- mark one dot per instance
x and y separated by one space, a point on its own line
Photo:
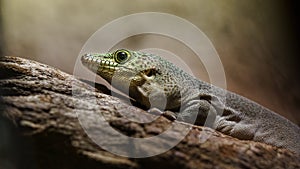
86 57
83 57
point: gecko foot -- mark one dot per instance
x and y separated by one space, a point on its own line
167 114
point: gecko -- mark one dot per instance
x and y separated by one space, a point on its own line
161 86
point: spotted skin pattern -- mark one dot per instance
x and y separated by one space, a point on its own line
158 84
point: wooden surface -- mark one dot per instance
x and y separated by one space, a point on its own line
43 104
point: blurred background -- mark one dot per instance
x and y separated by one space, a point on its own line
257 40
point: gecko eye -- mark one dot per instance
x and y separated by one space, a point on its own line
121 56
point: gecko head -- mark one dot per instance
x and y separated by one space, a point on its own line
123 67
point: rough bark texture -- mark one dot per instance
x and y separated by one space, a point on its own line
43 105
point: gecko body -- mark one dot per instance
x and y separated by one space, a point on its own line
156 83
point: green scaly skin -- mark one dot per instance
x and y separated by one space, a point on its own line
160 85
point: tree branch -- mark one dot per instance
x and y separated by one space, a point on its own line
44 104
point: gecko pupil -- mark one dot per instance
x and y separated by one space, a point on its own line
122 56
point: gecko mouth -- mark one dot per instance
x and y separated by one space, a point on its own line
100 65
97 64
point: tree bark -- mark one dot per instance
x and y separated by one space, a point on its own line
45 108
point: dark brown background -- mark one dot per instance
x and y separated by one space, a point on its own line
257 40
